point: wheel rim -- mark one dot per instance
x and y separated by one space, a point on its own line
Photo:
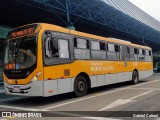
81 86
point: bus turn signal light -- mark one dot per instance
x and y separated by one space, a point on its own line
50 91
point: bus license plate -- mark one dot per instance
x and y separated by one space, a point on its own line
16 88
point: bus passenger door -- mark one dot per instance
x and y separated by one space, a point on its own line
56 58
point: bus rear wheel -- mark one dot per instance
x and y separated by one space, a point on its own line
80 86
135 77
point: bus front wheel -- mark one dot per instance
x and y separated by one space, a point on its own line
135 77
80 86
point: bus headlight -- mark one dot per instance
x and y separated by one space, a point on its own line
36 76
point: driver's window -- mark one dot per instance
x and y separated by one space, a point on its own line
56 47
51 47
56 50
47 43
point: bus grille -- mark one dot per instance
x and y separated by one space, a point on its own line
21 90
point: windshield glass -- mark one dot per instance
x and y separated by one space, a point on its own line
20 53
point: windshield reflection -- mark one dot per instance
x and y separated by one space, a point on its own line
20 53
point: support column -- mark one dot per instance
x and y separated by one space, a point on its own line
3 34
68 7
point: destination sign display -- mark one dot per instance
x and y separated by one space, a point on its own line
22 31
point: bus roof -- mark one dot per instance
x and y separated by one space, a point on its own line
108 39
82 34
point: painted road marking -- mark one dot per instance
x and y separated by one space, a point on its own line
122 101
116 103
119 89
127 88
140 95
47 108
155 89
20 108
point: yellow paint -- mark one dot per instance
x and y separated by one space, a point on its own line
107 67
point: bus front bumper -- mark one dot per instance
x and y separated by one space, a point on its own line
34 88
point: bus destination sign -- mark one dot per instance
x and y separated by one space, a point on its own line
22 31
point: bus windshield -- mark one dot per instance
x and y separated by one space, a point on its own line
20 53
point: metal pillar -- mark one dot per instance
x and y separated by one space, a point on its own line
68 12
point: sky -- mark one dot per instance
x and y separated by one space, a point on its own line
152 7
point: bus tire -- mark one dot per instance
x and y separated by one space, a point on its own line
80 86
135 77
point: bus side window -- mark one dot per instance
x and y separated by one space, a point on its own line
141 55
95 45
54 47
81 43
81 48
56 50
140 51
47 46
63 48
136 53
51 47
147 52
148 55
132 54
111 54
126 52
121 56
117 50
98 50
143 52
102 46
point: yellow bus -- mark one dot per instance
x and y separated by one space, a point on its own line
45 60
